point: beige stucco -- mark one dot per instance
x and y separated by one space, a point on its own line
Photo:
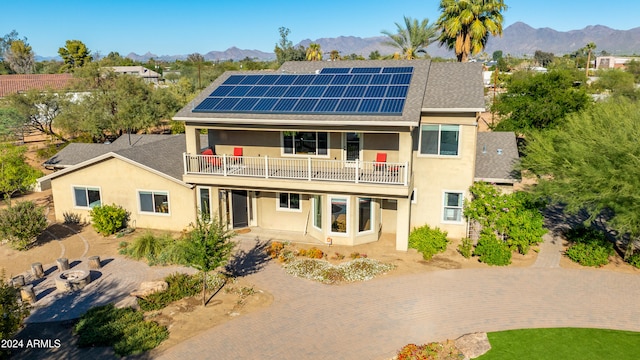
119 183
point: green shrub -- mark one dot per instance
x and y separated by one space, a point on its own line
428 241
590 247
149 246
13 312
491 250
71 218
123 328
108 219
466 247
21 224
180 286
634 260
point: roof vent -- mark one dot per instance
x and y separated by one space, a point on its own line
499 151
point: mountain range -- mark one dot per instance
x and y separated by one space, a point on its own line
518 39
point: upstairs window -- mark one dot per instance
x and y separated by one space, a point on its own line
305 143
439 140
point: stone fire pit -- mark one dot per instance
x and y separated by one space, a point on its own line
72 280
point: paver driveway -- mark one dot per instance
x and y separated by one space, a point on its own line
372 320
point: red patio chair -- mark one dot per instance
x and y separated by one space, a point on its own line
210 157
380 163
237 155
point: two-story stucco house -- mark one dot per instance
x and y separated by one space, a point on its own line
345 150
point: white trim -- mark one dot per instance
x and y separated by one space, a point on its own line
347 214
288 209
360 145
444 204
198 201
390 121
153 192
459 150
313 212
453 110
371 216
86 188
326 156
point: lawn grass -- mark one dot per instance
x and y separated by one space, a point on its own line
563 343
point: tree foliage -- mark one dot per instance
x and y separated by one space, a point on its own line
465 25
12 312
75 55
109 219
208 246
20 57
10 123
592 163
540 100
618 82
412 37
15 174
314 52
285 51
6 40
39 109
543 58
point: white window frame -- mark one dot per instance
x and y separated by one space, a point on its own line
420 154
444 206
199 202
371 215
314 199
153 193
316 155
279 208
86 189
347 215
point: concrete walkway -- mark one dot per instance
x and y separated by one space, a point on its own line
372 320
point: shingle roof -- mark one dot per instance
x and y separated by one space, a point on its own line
76 153
454 86
164 156
496 155
10 84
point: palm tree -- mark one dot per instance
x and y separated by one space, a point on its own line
314 53
413 38
589 48
465 25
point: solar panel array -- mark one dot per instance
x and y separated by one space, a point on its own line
362 90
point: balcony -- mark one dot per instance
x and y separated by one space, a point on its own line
309 169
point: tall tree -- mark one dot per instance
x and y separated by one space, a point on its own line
20 57
197 60
334 55
39 109
314 52
412 37
592 163
285 51
539 100
75 55
589 48
6 40
465 25
543 58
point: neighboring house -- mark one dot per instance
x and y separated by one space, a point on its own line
344 150
147 75
11 84
496 157
613 62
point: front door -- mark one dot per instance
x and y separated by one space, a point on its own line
240 210
352 147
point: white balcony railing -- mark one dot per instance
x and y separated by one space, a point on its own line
309 169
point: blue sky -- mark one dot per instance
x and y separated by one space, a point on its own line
184 27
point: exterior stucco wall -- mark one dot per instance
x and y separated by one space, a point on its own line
269 217
119 183
435 175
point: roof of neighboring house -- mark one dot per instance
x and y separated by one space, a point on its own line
161 154
439 87
496 155
138 70
10 84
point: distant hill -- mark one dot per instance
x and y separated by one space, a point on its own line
518 39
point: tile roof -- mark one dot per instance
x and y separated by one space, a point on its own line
454 86
10 84
496 155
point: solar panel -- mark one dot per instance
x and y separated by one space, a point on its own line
335 71
357 90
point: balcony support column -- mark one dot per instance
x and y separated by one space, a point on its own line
192 137
403 219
